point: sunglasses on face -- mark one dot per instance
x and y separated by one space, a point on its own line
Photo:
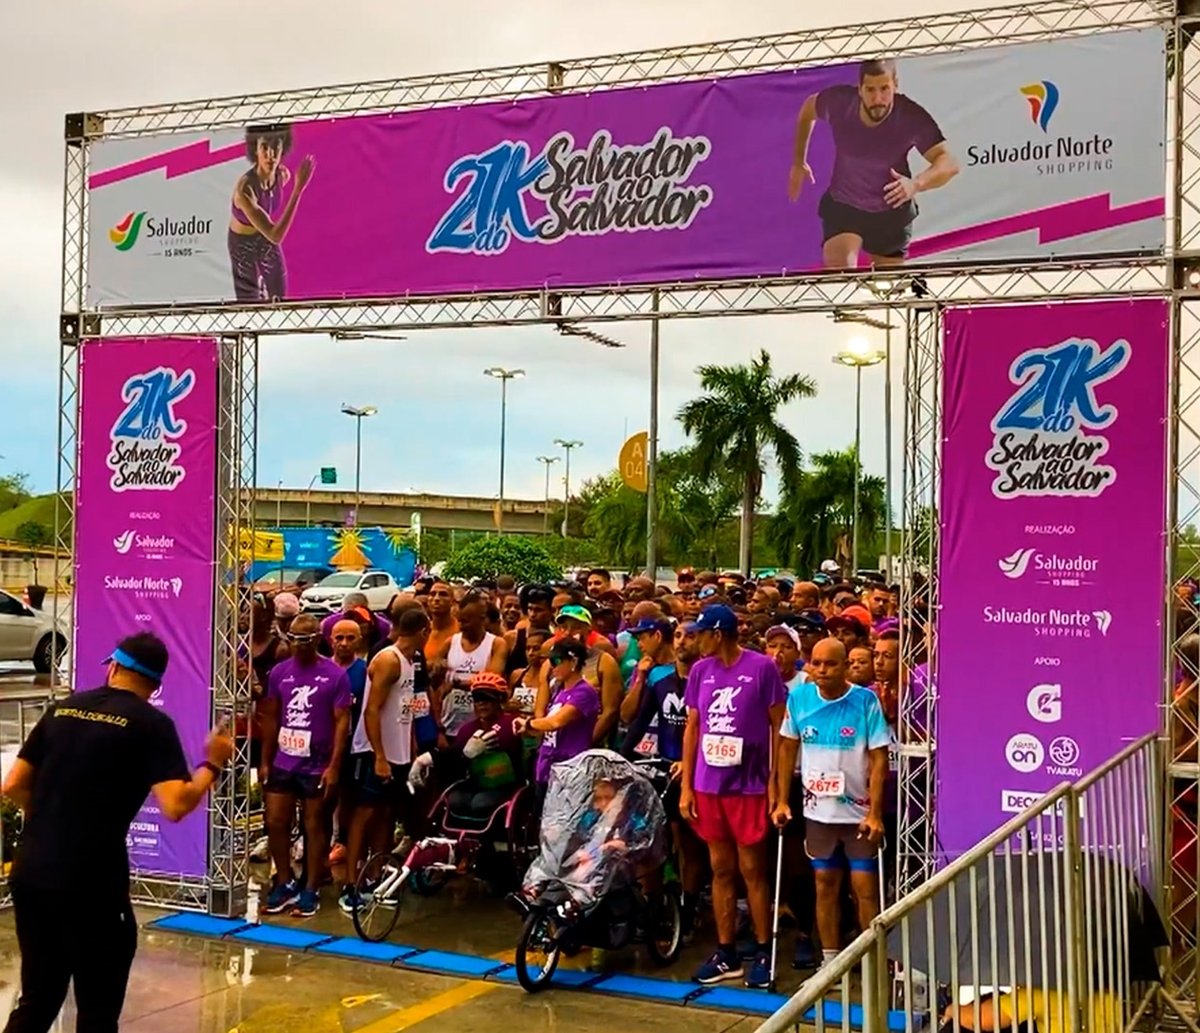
559 658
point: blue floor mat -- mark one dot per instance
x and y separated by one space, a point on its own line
198 925
447 963
745 1002
574 978
281 936
897 1020
647 989
360 950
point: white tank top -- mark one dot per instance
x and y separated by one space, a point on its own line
457 709
395 717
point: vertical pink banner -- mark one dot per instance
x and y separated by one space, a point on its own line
145 544
1052 571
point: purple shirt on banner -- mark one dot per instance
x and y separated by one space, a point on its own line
735 724
576 737
867 154
308 697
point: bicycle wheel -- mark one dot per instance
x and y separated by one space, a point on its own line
379 893
537 953
664 926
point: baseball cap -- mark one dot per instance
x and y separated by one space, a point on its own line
810 620
574 612
889 624
829 567
648 624
707 592
144 654
855 617
286 605
716 618
782 629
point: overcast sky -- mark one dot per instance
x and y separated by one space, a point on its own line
438 423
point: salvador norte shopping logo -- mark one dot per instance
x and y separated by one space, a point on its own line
1049 437
126 232
597 188
1043 102
144 449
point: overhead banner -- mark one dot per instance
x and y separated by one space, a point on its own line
145 545
1052 572
1034 151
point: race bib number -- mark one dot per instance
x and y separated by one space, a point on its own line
825 785
295 742
893 756
722 751
460 700
523 698
648 747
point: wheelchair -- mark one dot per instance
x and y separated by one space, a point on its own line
494 845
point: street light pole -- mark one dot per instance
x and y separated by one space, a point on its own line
567 446
308 501
504 376
857 354
546 461
358 412
279 505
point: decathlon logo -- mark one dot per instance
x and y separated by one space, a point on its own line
1044 703
1015 565
1024 752
1042 98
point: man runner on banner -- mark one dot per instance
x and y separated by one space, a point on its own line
843 768
870 203
735 703
82 774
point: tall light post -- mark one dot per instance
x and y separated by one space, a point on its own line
857 354
504 376
358 412
279 505
887 326
546 461
566 446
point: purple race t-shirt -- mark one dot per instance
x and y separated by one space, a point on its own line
576 737
865 155
307 698
734 755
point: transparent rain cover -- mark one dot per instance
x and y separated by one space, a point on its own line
602 823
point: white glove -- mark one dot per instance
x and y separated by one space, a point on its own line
418 774
476 745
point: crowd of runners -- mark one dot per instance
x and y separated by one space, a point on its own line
774 701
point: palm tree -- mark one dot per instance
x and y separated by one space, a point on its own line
736 429
816 512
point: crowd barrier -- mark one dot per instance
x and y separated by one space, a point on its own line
1053 920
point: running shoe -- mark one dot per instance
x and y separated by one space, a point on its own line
718 968
351 899
281 898
308 905
338 854
759 976
806 954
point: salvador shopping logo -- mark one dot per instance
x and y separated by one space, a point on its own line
1050 436
586 190
144 445
1050 154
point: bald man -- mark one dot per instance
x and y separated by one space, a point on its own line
843 767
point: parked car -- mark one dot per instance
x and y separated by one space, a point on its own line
291 579
28 634
327 597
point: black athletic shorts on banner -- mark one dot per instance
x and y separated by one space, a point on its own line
884 234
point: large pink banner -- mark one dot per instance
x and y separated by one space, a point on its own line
1052 570
145 544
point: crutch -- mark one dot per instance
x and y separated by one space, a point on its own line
775 911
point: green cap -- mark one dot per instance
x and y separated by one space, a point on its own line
578 613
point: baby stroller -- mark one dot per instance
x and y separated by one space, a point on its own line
598 878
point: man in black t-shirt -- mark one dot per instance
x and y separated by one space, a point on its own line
83 773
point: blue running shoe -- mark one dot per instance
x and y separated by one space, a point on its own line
806 954
718 968
759 976
281 898
308 904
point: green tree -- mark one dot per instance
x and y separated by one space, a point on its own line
14 489
524 558
736 430
33 534
815 520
